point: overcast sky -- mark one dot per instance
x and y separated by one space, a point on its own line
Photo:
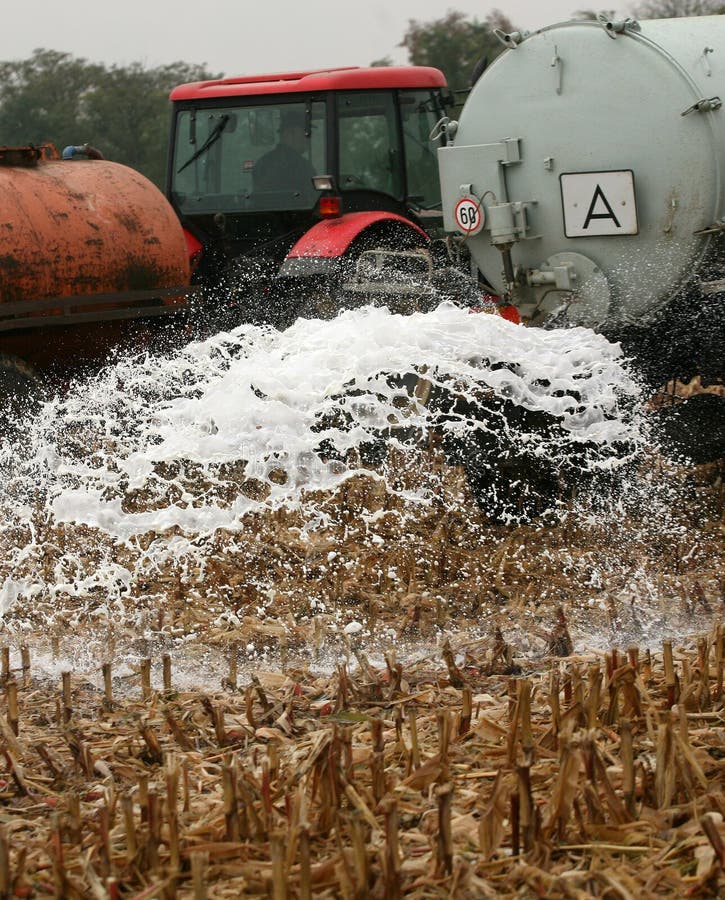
241 36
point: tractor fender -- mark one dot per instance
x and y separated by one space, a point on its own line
319 250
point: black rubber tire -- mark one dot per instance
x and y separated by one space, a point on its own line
693 430
686 340
20 388
506 482
509 478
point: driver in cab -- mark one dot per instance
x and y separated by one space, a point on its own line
286 167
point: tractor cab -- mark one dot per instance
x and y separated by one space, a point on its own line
258 162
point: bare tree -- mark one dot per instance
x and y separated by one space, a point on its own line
591 15
498 19
672 9
456 44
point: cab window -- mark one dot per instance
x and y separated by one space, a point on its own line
369 149
419 112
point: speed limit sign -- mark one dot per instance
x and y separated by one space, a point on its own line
469 215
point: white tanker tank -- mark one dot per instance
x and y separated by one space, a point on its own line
586 175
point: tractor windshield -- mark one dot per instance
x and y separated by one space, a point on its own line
248 159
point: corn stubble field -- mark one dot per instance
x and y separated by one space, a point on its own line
476 756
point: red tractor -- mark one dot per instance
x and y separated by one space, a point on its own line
307 192
304 192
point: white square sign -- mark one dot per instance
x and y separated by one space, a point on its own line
599 204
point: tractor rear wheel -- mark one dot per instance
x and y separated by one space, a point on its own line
387 266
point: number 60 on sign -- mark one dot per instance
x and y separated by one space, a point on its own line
469 215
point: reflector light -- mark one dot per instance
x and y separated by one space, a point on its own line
330 207
194 248
510 313
323 182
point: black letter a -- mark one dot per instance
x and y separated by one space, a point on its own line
607 215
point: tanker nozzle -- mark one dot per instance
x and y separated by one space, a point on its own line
509 39
613 28
81 151
444 127
509 274
561 277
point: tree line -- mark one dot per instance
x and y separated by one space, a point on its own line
124 111
54 97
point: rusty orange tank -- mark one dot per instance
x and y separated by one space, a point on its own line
97 235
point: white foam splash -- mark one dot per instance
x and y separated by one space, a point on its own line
269 399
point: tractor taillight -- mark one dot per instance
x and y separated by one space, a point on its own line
194 249
330 206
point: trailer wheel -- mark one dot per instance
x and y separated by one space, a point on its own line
511 489
20 387
506 482
513 459
694 429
